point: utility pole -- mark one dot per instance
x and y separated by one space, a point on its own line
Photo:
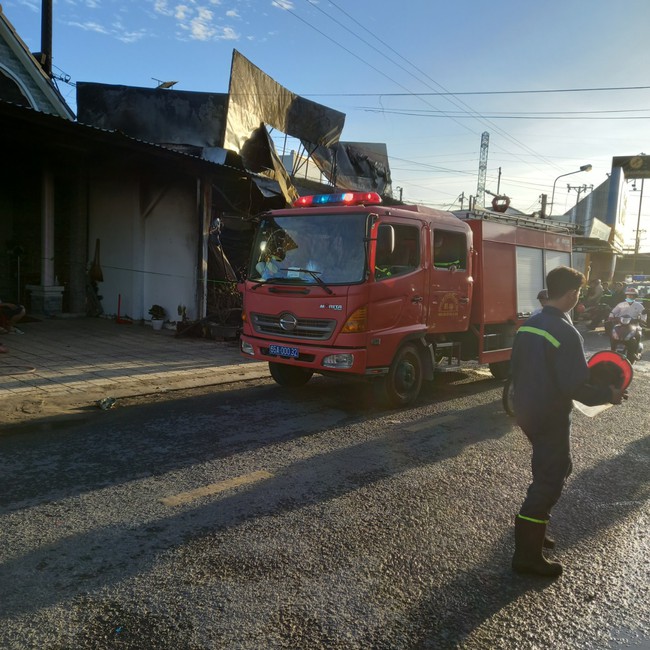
482 169
462 199
637 240
579 189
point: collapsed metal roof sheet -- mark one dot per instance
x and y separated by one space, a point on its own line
172 117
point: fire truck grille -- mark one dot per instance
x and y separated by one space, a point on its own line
314 329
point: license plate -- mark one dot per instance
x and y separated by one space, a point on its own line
284 351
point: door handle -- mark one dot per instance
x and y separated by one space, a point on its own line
416 299
464 300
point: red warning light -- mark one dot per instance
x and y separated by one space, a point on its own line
342 198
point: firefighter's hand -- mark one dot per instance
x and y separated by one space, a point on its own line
618 395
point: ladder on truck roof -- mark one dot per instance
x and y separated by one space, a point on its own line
518 220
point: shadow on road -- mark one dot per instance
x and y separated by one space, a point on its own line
127 453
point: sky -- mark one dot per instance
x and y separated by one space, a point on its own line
556 84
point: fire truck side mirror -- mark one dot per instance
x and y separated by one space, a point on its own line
386 238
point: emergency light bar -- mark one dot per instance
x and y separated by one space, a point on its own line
344 198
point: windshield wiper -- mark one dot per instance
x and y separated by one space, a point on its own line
314 274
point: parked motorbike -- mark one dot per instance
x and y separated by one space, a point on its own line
625 338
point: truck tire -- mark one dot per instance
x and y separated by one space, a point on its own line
289 376
402 384
507 398
500 369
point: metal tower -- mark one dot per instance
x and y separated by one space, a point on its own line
482 169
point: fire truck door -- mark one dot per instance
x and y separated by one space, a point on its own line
399 292
451 282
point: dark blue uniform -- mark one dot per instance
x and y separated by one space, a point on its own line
549 371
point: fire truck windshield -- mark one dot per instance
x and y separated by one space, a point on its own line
310 249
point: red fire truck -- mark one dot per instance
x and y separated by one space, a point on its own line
343 285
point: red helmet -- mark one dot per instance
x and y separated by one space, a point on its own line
610 369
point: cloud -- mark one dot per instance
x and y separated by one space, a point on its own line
131 37
34 5
201 28
198 21
181 12
90 26
283 4
228 34
116 30
162 7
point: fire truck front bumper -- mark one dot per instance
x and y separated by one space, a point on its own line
318 359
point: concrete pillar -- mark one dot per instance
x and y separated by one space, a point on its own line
78 245
204 194
47 229
47 298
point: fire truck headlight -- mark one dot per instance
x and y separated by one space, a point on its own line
339 361
247 348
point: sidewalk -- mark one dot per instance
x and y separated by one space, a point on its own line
66 364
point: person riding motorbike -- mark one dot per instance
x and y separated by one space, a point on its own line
616 296
590 307
631 309
594 292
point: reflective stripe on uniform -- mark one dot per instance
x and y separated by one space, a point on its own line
535 521
535 330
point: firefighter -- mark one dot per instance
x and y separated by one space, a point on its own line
549 371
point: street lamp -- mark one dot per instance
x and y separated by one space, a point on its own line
584 168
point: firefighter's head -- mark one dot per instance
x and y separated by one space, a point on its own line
563 285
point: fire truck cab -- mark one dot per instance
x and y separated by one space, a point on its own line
341 284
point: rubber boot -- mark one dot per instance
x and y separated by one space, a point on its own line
548 542
529 541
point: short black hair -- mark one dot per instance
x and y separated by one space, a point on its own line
562 279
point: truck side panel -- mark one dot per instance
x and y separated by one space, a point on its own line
495 293
498 284
505 278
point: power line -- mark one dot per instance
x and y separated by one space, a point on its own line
426 112
464 108
508 116
458 103
356 56
481 92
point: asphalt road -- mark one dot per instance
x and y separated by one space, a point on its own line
249 517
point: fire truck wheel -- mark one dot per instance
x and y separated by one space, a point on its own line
507 399
403 382
500 369
289 376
